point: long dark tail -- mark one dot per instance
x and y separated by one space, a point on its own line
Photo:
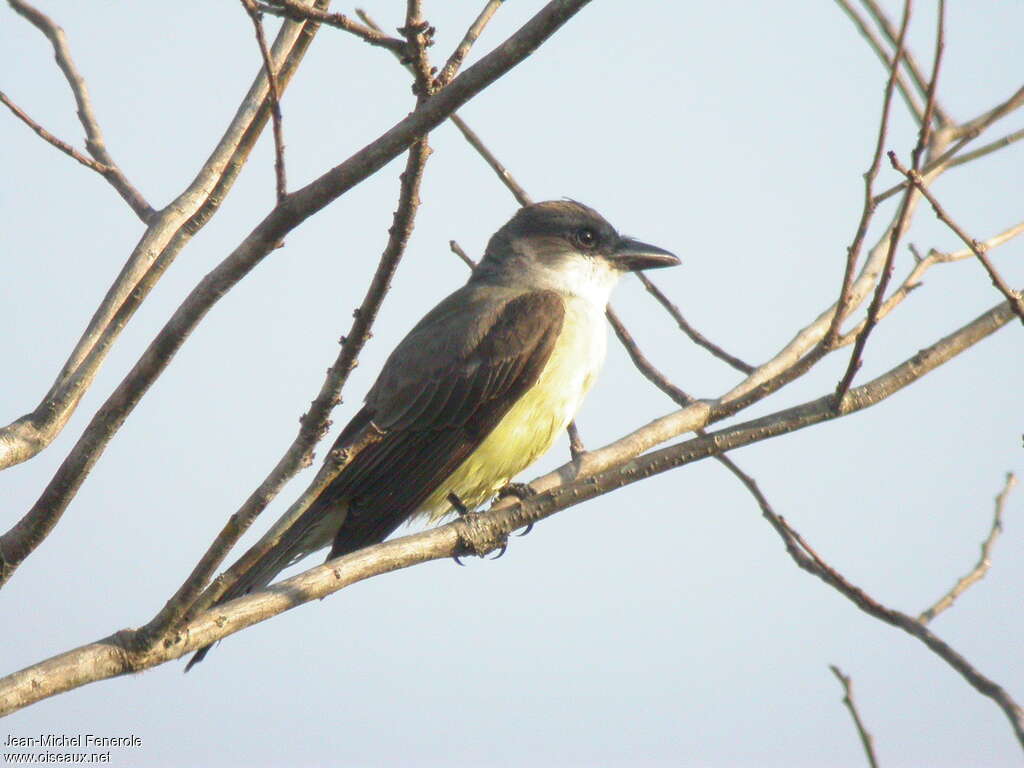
299 540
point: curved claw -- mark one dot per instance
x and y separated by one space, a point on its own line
521 491
504 548
526 530
457 561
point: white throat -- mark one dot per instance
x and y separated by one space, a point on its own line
584 277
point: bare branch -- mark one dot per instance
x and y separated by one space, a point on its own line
94 142
977 248
656 377
506 178
890 64
695 336
292 9
913 279
809 560
915 71
419 36
874 309
33 528
865 738
925 131
621 459
457 250
167 233
965 133
977 573
451 67
477 533
993 146
46 136
867 211
973 128
275 98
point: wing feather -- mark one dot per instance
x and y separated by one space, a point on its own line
436 402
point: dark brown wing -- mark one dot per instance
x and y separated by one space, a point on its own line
442 391
440 394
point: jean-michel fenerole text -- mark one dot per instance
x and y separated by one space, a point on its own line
72 740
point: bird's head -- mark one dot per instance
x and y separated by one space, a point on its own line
565 246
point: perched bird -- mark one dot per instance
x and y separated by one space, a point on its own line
478 390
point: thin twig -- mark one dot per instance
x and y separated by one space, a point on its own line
681 398
865 738
922 264
868 210
695 336
966 133
503 174
987 149
887 269
457 250
809 560
890 65
94 142
419 36
294 10
977 248
506 178
644 365
275 98
451 67
915 71
166 234
925 131
45 135
977 573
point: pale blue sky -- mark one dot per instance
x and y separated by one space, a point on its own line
660 625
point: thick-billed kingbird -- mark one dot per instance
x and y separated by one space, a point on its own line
478 390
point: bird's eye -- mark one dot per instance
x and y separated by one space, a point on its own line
585 237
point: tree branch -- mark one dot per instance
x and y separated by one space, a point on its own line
33 528
476 533
977 248
809 560
451 66
275 98
865 738
894 235
695 336
977 573
292 9
891 65
167 233
94 141
915 71
965 133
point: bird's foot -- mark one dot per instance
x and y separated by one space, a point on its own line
463 512
521 491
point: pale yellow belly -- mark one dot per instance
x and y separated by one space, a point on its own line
531 426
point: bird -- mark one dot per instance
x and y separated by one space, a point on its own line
477 391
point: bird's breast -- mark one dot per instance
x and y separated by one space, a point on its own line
534 422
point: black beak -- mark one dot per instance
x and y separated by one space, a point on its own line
632 255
